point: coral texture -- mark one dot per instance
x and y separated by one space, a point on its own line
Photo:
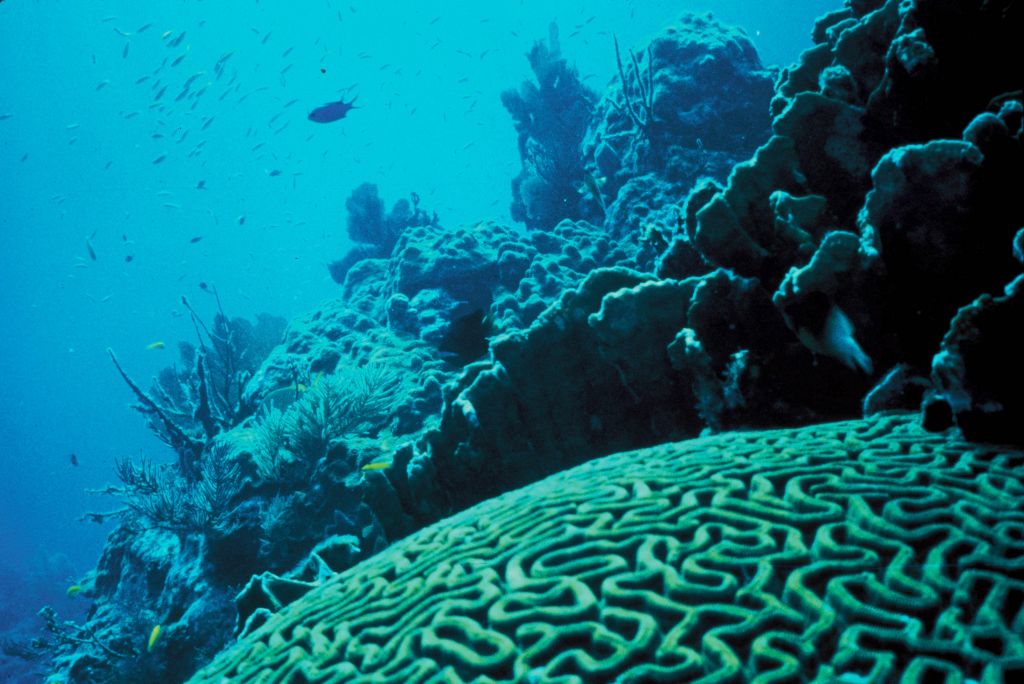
692 102
859 551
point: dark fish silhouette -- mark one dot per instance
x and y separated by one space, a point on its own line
332 111
74 460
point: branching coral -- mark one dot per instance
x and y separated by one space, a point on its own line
161 419
187 406
640 104
550 117
69 632
271 438
350 401
166 500
234 348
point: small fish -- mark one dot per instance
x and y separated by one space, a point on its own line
128 258
192 79
196 239
377 465
160 159
153 635
593 185
274 172
88 246
332 111
74 459
241 220
200 185
74 590
159 344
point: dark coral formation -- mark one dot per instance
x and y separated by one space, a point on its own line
861 551
191 403
826 262
550 116
978 371
373 230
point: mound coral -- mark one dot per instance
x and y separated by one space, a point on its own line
858 551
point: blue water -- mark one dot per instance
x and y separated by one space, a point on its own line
80 133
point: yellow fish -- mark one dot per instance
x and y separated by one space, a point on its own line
378 465
74 590
152 637
156 345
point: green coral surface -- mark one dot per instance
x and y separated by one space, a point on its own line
863 551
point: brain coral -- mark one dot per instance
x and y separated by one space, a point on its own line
864 551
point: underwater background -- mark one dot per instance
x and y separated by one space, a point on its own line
163 176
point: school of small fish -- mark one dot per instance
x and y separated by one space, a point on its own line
177 90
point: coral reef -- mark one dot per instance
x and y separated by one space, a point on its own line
859 551
977 372
706 253
638 361
373 231
263 497
550 118
690 104
187 406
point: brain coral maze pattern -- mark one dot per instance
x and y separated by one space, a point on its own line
866 551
